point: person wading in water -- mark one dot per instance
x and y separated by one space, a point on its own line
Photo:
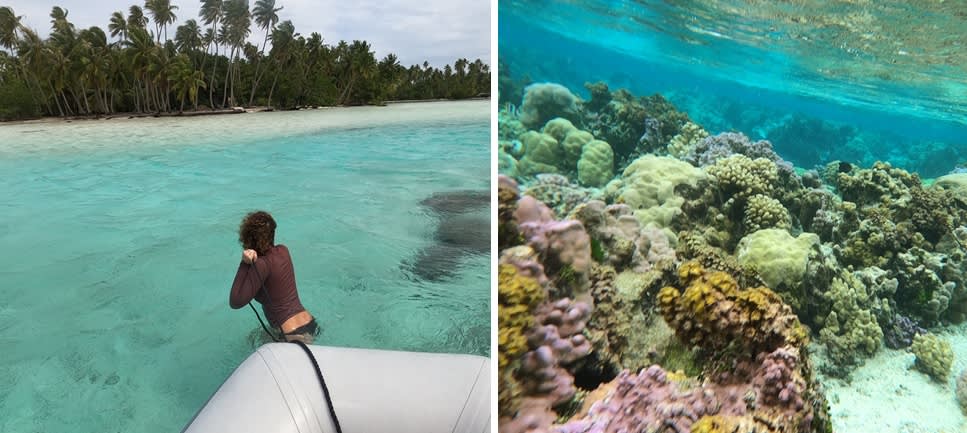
266 275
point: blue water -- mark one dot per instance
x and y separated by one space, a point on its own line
119 245
710 70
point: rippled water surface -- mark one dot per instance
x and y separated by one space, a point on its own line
119 245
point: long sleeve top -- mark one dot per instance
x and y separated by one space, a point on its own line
271 282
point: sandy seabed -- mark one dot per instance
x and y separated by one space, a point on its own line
887 394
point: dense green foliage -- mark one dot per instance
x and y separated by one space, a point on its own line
130 68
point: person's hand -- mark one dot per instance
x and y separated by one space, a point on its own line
249 256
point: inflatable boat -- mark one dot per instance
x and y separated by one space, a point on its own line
277 389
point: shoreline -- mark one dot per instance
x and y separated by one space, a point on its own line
223 111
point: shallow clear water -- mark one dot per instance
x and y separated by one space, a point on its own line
119 245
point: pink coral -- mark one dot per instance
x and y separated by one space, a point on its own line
557 340
625 244
562 245
770 388
649 402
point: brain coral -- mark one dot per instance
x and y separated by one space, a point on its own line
648 186
595 165
542 154
545 101
779 258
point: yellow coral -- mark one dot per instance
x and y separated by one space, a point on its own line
714 313
517 296
741 176
712 424
729 424
686 140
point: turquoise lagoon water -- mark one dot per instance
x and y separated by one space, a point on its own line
119 245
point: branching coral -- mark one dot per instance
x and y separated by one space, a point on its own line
934 356
631 125
685 142
711 149
764 212
741 177
851 331
557 192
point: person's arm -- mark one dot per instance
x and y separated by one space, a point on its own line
247 282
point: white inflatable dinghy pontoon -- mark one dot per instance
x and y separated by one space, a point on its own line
276 390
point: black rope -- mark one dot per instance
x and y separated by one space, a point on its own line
263 323
322 381
315 364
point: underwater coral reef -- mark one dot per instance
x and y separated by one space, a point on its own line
656 276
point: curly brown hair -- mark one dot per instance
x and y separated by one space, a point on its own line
257 232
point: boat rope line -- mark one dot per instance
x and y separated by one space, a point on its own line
322 381
312 358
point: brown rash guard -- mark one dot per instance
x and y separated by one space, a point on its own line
278 276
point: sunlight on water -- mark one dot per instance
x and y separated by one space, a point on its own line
845 51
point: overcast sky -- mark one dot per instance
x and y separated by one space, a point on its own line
439 31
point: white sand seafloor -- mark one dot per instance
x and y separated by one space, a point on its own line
50 136
887 394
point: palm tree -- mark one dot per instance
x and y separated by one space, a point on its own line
359 65
266 16
163 13
118 26
9 27
210 13
142 51
188 37
136 17
186 80
282 38
236 27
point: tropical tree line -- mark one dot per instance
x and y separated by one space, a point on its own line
209 64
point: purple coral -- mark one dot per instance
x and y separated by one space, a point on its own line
899 332
777 380
716 147
648 401
557 340
561 243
